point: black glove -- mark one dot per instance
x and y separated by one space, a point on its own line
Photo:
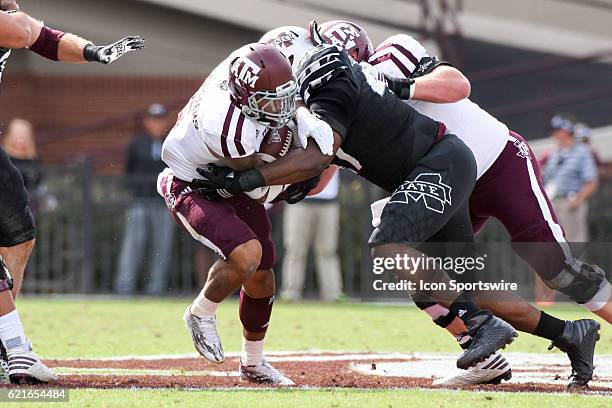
109 53
401 87
229 181
298 191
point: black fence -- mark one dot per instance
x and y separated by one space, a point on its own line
80 236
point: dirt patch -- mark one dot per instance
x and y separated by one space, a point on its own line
198 373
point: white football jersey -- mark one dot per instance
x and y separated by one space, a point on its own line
398 57
209 128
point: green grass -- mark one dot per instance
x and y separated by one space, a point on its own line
324 399
97 328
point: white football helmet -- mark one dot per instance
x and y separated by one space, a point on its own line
292 41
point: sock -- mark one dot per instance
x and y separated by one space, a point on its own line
549 327
463 308
252 352
255 312
11 333
202 307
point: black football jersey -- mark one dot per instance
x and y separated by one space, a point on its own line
383 137
4 54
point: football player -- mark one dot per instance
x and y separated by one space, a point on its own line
246 95
503 159
393 146
17 232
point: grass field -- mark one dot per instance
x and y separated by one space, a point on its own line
64 328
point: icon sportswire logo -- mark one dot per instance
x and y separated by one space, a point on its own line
426 187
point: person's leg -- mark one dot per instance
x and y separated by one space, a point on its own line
298 229
24 366
162 228
217 225
16 258
537 237
433 202
326 251
132 249
257 299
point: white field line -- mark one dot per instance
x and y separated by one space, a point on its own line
549 368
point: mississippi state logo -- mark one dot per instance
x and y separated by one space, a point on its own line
426 187
284 39
523 149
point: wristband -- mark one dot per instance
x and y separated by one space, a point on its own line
90 53
251 179
47 43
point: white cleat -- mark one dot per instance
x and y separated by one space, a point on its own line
26 368
204 336
490 371
263 373
4 372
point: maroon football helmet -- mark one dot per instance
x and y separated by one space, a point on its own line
344 34
262 84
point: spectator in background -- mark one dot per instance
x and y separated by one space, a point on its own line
20 146
313 221
570 178
582 133
147 216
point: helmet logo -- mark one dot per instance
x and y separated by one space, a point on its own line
343 35
246 71
284 40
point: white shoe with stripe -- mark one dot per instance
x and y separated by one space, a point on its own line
26 368
490 371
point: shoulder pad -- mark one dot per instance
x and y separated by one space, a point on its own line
319 66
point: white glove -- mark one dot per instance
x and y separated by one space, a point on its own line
311 126
109 53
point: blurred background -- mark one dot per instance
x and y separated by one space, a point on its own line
80 126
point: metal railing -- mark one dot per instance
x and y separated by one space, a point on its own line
78 242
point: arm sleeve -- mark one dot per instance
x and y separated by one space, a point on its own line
335 103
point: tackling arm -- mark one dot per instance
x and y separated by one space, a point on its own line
444 84
298 165
18 30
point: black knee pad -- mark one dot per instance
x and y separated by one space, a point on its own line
578 280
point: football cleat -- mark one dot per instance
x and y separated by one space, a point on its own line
263 373
204 335
4 371
489 334
578 340
25 368
490 371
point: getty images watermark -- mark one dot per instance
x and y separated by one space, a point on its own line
404 264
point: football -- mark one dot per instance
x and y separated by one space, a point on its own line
276 143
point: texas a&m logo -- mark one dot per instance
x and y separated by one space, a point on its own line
343 35
426 187
246 71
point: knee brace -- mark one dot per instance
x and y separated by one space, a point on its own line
578 280
6 281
